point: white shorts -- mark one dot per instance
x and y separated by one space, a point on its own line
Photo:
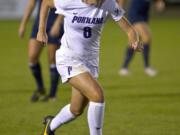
66 72
69 67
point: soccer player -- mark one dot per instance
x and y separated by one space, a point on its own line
35 48
77 59
138 15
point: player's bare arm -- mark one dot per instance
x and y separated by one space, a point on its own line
29 9
131 33
42 35
57 26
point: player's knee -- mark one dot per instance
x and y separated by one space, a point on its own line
97 95
33 59
52 60
76 111
146 39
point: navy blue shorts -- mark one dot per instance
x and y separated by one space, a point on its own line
138 18
51 19
51 40
139 11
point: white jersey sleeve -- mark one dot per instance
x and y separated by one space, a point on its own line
115 11
59 5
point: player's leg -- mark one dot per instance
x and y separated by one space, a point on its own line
34 51
53 45
90 88
145 34
54 75
85 88
68 112
127 59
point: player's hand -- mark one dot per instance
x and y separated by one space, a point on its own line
137 46
42 37
21 31
160 5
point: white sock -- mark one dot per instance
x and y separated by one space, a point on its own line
64 116
96 117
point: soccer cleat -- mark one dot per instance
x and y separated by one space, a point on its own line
150 72
37 94
124 72
46 122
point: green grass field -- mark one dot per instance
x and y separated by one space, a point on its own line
135 105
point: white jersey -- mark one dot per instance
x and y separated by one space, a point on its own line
83 25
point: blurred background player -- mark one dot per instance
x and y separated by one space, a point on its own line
138 15
35 48
78 57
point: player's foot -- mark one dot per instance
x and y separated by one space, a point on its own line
124 72
37 94
46 122
150 72
49 98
